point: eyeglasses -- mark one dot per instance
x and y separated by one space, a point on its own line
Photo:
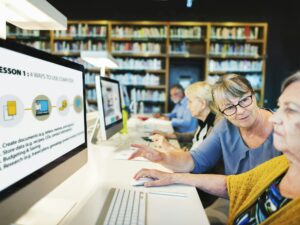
245 102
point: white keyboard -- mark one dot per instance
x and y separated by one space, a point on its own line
124 207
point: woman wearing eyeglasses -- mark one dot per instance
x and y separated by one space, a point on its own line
243 139
270 193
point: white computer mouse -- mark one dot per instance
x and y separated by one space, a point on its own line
141 181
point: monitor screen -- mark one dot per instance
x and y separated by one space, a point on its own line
42 120
109 106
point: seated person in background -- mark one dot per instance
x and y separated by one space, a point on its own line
269 193
181 117
242 139
200 104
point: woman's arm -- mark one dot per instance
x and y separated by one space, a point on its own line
210 183
177 160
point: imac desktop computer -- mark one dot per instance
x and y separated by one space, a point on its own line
42 125
110 120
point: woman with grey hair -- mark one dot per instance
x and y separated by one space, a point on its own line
269 193
243 139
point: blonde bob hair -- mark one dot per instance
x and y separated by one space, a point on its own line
200 89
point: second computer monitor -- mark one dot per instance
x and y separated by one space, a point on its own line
109 106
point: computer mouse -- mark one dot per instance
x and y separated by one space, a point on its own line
141 181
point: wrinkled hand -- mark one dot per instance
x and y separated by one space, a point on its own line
146 152
160 178
160 142
165 134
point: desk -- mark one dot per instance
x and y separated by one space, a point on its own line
90 186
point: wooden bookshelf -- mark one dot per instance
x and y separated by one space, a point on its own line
141 50
36 39
145 51
238 48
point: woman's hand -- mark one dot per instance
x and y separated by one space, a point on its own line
166 135
161 143
147 152
160 178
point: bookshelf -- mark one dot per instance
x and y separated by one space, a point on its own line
140 49
187 40
146 50
82 35
238 48
36 39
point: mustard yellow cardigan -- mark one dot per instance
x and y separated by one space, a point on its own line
244 189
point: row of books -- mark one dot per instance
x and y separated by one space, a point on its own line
153 109
91 95
179 48
77 46
139 64
234 49
254 79
246 32
136 47
41 45
90 78
148 108
235 65
11 30
186 32
147 95
137 79
139 32
83 30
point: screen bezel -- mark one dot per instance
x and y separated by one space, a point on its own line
25 50
102 97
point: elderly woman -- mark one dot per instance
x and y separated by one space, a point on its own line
243 139
200 103
270 193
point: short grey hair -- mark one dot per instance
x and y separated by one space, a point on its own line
231 85
291 79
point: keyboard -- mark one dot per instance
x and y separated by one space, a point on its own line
124 207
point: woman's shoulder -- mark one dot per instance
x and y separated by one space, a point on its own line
222 125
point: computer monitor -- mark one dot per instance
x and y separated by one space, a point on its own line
42 125
110 119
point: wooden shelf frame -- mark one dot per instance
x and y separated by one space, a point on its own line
205 41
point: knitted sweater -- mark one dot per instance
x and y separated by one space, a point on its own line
244 189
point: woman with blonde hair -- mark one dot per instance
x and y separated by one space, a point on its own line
200 104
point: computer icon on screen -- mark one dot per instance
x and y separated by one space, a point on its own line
40 147
41 107
110 119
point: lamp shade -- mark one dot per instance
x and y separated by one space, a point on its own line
34 15
99 59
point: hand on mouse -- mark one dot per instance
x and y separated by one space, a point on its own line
160 178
